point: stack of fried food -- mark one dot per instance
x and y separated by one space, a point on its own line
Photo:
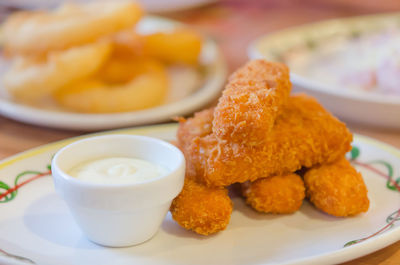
281 149
90 58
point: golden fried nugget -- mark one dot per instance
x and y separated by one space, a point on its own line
304 134
337 188
201 209
198 126
251 101
276 194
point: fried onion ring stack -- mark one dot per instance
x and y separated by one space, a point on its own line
89 58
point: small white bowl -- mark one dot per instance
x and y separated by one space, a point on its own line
123 214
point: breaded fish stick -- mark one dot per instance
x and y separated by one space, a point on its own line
276 194
202 209
304 135
337 189
251 102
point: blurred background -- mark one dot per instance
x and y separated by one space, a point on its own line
235 23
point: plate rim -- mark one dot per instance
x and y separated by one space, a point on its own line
209 90
345 254
253 52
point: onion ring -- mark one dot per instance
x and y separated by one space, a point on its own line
180 46
37 32
118 70
145 90
31 78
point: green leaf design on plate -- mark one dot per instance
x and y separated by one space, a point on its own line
390 181
10 196
19 258
354 153
391 186
11 192
351 243
394 217
28 172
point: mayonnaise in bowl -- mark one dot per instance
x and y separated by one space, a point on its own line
117 170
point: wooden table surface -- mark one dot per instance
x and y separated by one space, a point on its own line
234 24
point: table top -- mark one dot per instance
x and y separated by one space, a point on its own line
234 24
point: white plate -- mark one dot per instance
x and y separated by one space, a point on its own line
356 106
37 225
215 72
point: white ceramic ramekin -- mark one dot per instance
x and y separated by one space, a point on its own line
119 215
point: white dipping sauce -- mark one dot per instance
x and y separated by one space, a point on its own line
117 170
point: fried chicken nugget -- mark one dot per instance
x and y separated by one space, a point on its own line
277 194
199 208
337 189
202 209
304 134
251 102
198 126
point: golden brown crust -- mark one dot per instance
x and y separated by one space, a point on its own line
190 131
251 102
305 134
198 126
201 209
337 189
276 194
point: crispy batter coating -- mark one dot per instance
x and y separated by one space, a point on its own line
251 102
276 194
201 209
337 189
304 134
198 126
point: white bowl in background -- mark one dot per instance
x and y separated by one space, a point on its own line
350 105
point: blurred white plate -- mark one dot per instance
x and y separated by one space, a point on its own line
350 105
37 225
214 72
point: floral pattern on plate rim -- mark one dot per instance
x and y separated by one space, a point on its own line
392 183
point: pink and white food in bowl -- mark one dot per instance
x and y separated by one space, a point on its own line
351 65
